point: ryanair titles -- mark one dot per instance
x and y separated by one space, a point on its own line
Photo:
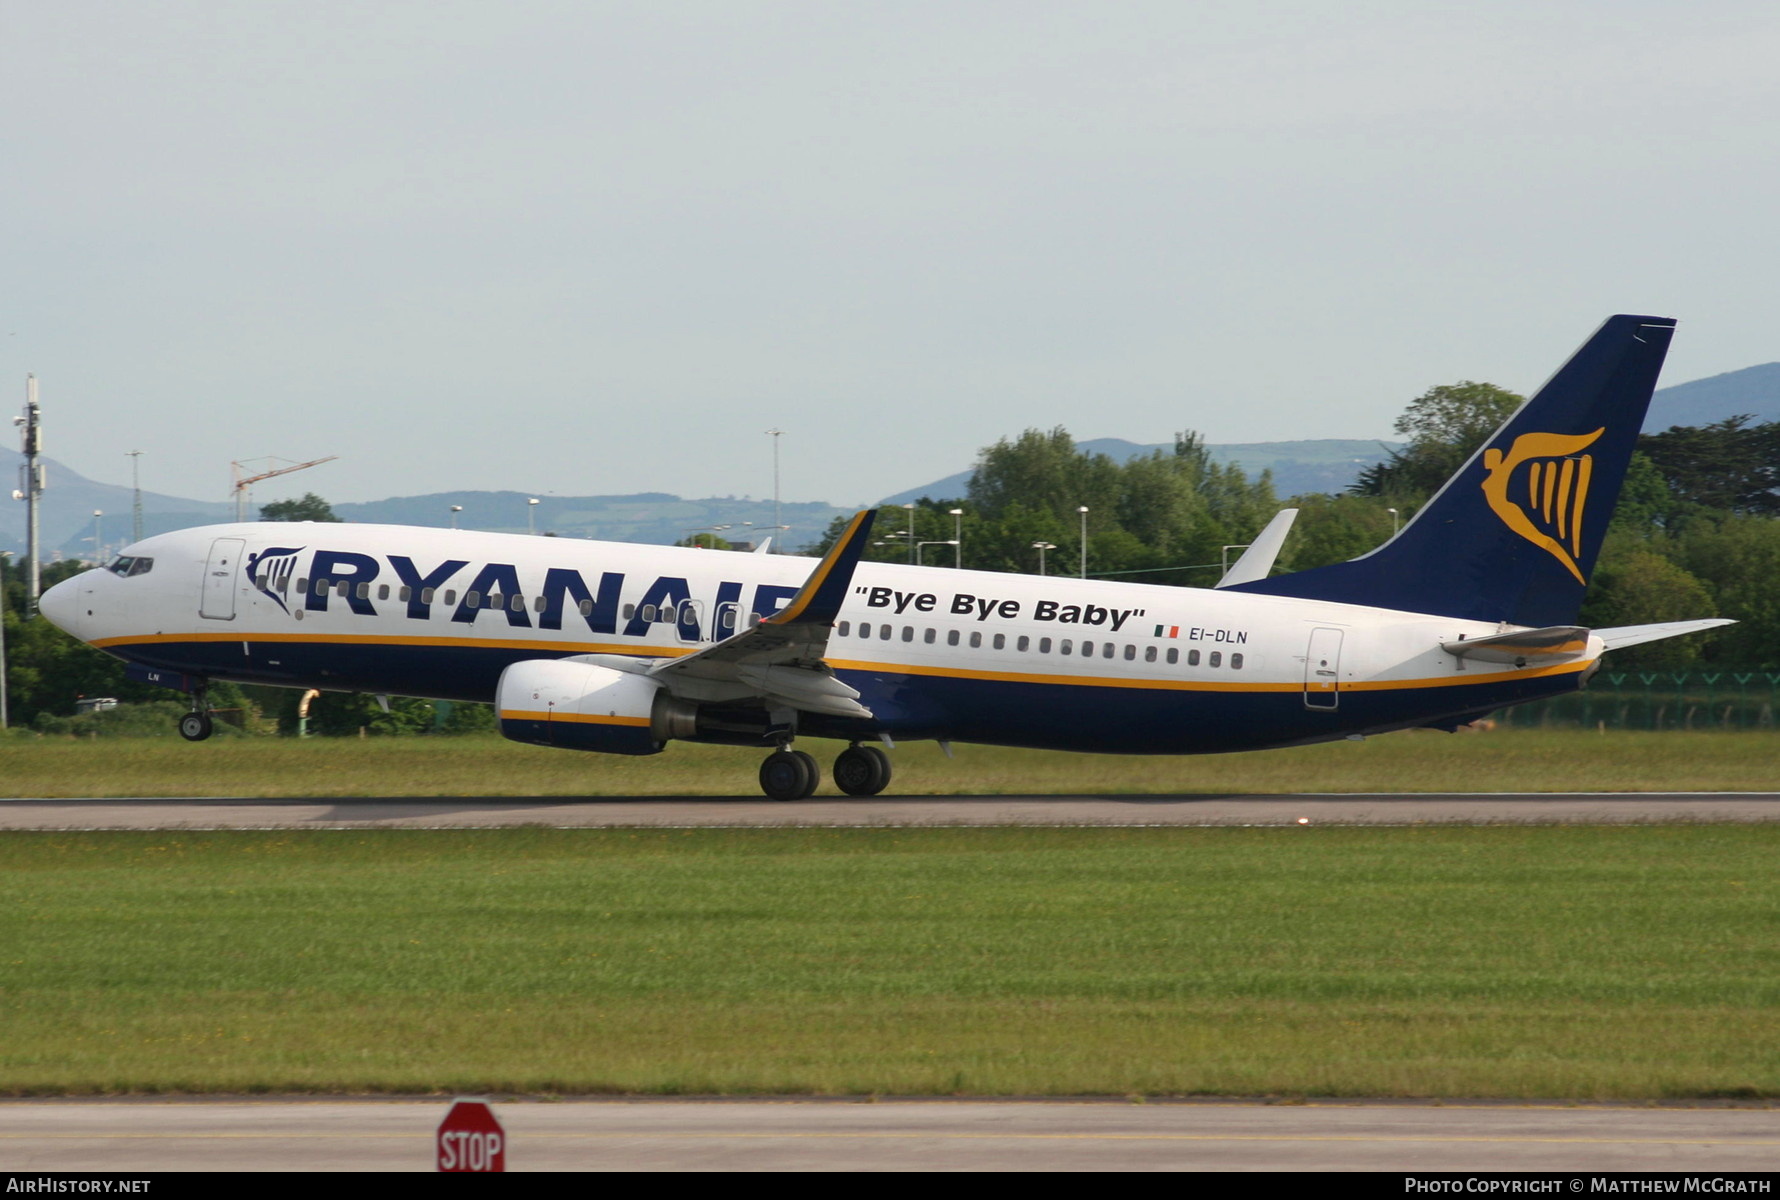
358 582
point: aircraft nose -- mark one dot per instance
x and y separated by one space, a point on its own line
62 605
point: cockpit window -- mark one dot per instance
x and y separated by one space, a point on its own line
125 564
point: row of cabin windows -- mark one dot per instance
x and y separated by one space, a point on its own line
665 613
1024 644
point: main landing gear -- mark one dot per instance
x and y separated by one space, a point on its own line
789 774
196 725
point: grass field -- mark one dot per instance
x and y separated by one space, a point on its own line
1519 760
1624 962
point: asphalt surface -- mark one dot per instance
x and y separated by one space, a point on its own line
695 1135
1599 808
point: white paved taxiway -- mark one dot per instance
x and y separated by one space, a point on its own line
1592 808
704 1135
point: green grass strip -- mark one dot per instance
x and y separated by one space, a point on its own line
1500 761
1625 962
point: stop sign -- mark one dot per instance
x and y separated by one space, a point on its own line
470 1139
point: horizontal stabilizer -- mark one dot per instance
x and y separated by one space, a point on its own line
1523 646
1635 635
1257 561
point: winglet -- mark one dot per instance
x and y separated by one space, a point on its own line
819 601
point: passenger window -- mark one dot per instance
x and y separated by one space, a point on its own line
1023 642
1106 651
630 610
845 628
473 599
302 585
405 594
450 596
865 629
1064 645
1131 653
649 612
586 607
426 595
884 632
951 637
1087 649
1216 659
1149 654
1173 656
1044 645
517 603
1236 662
364 591
383 591
928 636
1001 641
668 614
344 588
321 587
908 633
976 640
537 604
1192 658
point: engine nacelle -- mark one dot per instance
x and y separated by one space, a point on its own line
579 706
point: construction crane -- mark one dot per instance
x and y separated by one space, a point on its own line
243 484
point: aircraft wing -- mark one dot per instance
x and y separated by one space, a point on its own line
780 658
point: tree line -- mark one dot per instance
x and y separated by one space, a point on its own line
1696 534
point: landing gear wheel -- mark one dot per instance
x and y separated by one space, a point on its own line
862 771
812 774
788 775
195 726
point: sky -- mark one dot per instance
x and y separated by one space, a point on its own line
593 248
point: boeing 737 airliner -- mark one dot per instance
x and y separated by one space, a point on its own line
622 648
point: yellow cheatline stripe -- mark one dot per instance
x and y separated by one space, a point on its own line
1175 685
518 714
1194 685
817 578
373 639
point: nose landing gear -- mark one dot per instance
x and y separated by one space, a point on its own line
196 725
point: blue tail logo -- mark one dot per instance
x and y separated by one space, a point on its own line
1557 480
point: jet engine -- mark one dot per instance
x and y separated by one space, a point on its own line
580 706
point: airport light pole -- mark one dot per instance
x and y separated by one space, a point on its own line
98 545
918 545
957 536
455 509
531 519
135 457
1083 509
911 533
778 520
5 562
1041 547
1396 521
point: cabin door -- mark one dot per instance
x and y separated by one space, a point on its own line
1322 670
218 601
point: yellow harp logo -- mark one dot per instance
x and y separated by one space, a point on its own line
1556 478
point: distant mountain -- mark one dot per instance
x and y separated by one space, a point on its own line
1321 465
1754 390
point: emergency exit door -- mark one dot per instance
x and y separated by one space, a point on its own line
218 601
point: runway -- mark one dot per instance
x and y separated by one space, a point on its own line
1473 808
824 1135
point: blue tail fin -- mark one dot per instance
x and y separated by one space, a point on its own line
1514 534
